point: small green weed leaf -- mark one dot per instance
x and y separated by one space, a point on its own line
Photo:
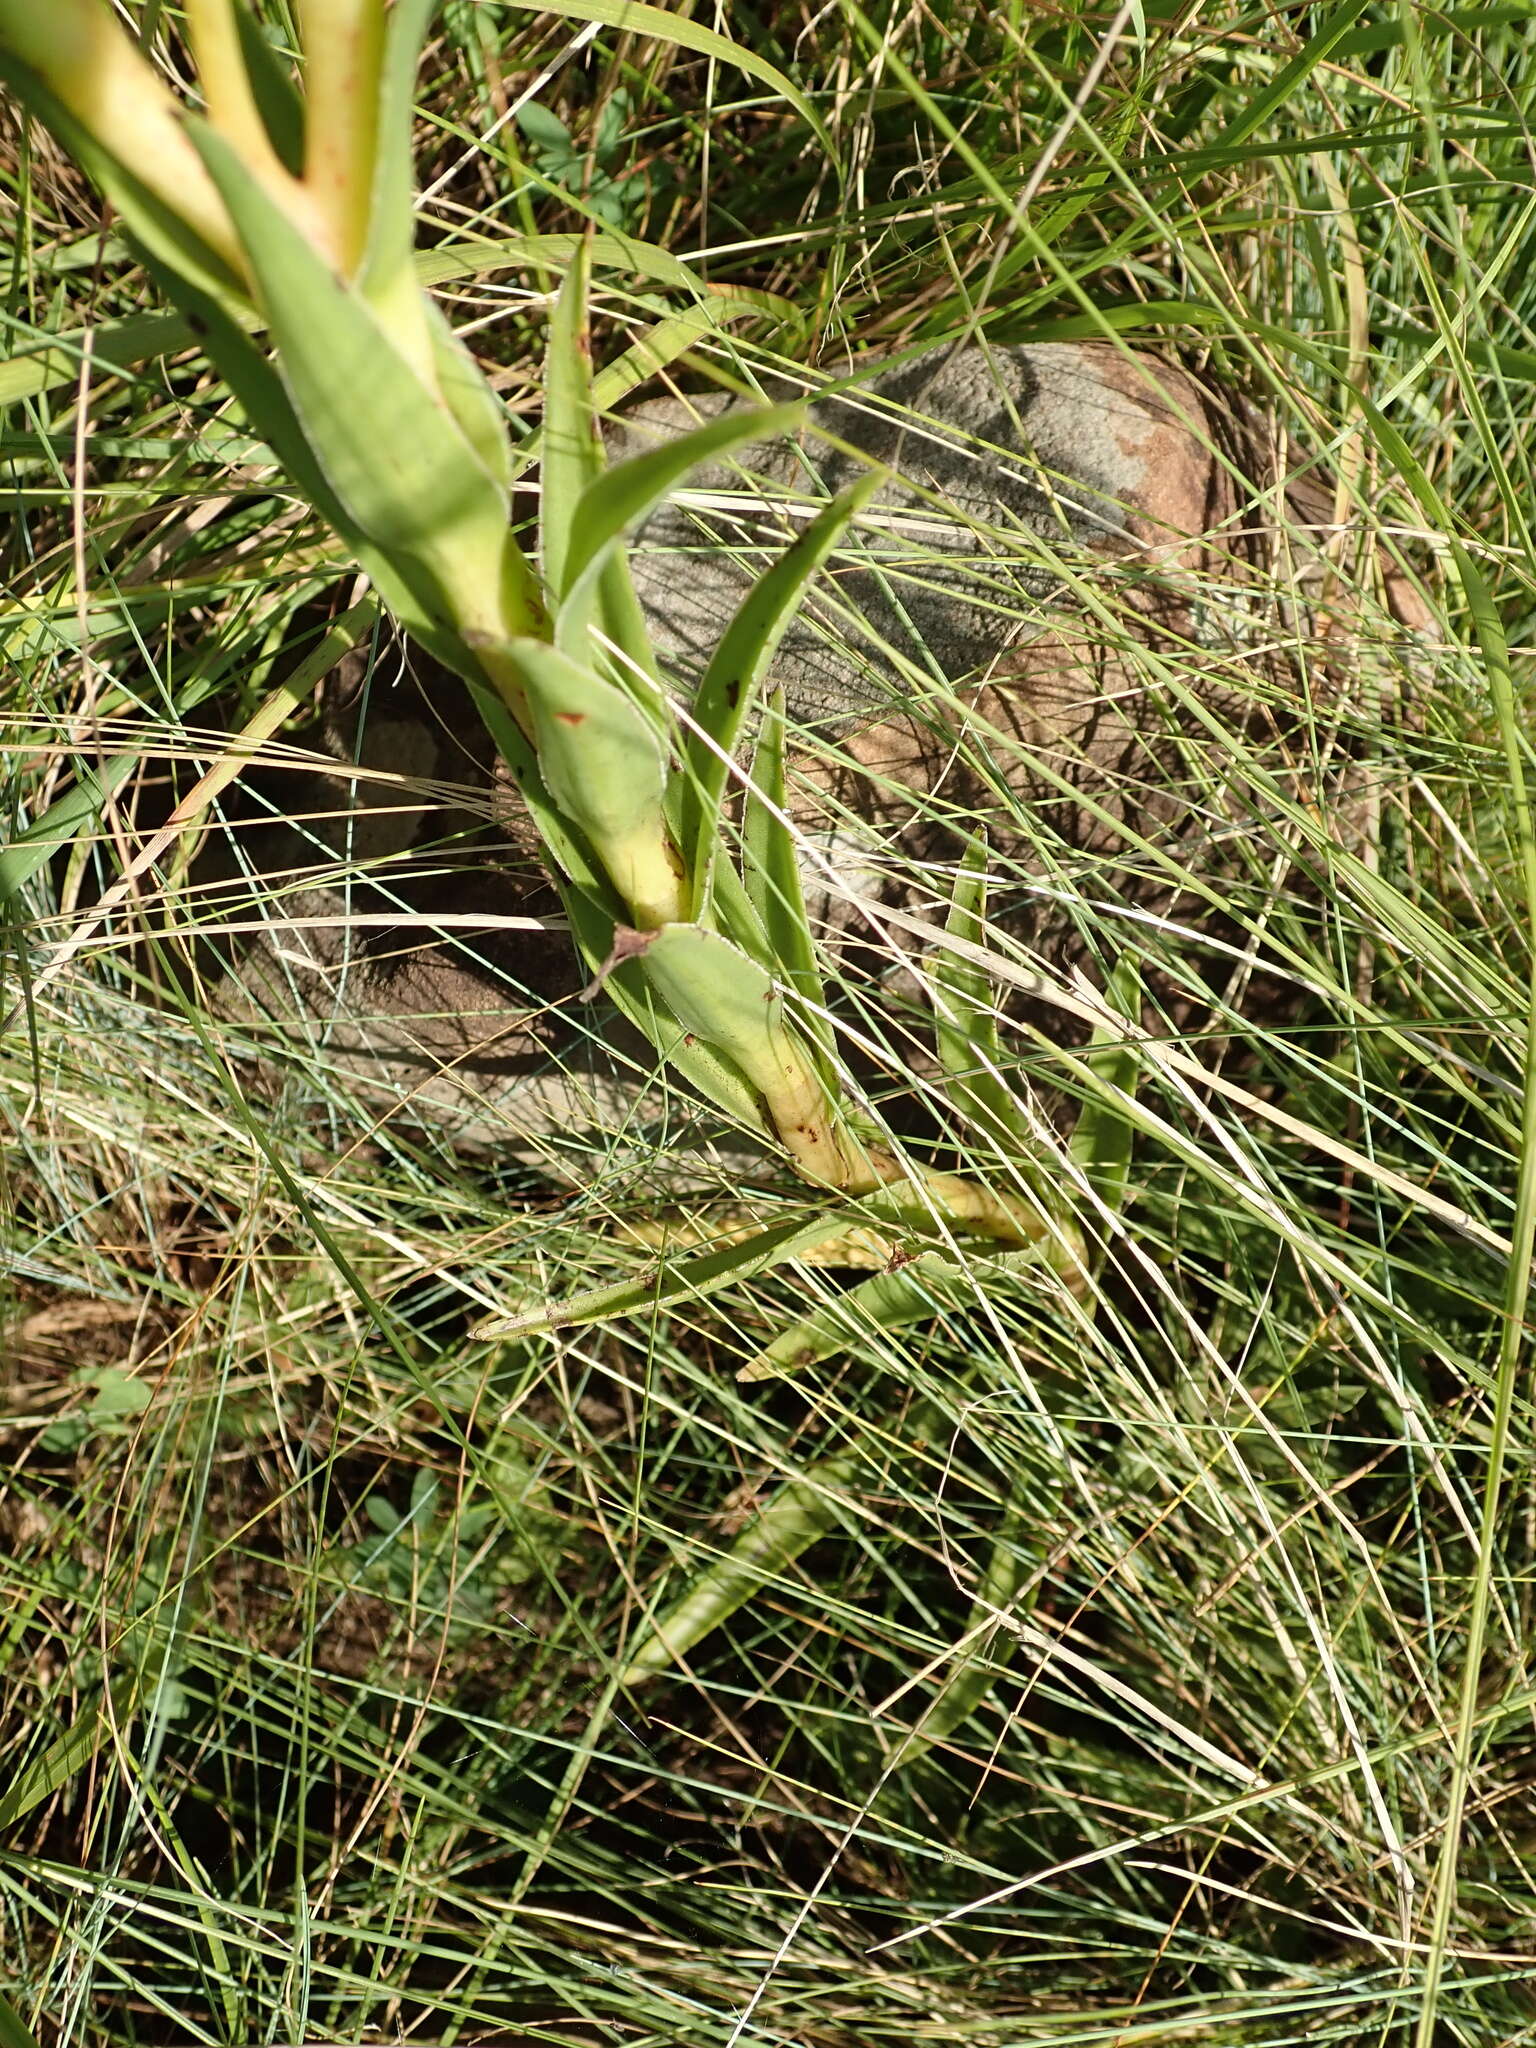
117 1397
548 134
737 667
800 1511
603 765
383 1514
1101 1144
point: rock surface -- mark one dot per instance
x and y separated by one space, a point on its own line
1082 557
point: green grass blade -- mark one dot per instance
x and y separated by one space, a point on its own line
965 1020
662 26
570 455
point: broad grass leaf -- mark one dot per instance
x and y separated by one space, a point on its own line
801 1510
14 2031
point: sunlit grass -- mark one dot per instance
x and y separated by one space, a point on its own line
333 1617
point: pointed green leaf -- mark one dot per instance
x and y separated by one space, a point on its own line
771 875
912 1292
801 1510
623 495
392 211
272 87
965 1022
392 455
570 457
1101 1144
480 415
736 668
672 1283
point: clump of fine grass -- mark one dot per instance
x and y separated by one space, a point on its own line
316 1605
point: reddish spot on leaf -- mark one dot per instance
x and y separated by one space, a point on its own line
571 717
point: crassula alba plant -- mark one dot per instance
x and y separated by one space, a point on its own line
286 206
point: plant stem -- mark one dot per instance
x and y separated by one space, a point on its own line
343 54
99 75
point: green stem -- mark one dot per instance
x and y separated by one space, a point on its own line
98 74
343 55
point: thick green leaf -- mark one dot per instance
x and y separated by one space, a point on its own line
726 998
736 669
965 1023
623 495
394 458
151 222
771 878
800 1511
1101 1144
605 768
